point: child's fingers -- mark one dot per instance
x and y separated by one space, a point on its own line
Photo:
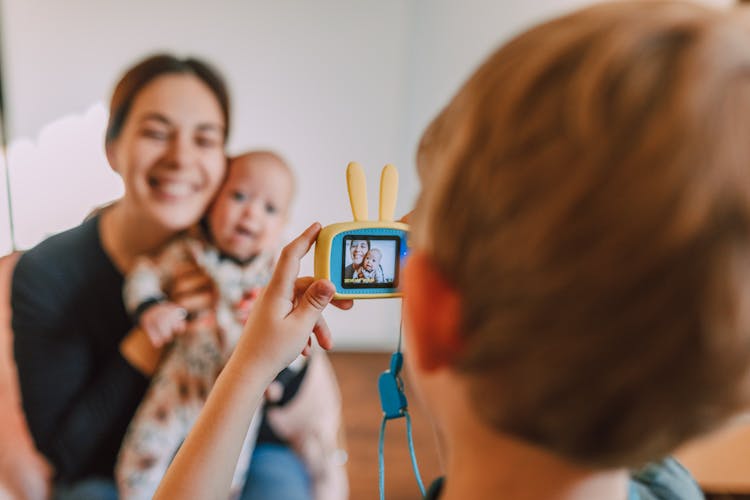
180 327
163 334
284 276
163 326
343 304
154 338
157 340
304 283
323 334
405 219
306 314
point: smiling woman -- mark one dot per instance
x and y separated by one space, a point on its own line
82 370
165 138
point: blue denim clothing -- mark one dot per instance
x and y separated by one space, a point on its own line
665 480
93 488
276 472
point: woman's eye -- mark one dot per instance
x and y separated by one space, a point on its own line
239 196
159 135
207 142
271 209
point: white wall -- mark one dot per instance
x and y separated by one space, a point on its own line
5 237
323 82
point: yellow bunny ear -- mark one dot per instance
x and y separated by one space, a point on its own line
357 186
388 193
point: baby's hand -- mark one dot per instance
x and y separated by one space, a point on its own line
243 306
162 321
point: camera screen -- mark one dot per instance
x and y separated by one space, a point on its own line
370 261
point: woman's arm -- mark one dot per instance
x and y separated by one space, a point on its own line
72 413
277 330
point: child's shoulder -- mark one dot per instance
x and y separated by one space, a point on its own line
666 479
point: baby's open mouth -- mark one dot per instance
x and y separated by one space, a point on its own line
244 231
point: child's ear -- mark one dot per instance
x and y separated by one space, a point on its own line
433 307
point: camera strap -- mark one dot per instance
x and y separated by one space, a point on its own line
394 405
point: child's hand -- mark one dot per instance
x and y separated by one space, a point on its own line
162 321
289 310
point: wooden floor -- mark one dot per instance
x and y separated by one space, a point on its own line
358 375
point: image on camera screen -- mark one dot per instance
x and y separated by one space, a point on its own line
370 261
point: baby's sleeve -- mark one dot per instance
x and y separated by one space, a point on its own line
143 286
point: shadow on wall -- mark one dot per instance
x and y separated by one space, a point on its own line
58 178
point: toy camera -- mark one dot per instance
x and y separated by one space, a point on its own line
363 258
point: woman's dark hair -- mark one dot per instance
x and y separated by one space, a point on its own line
365 239
149 69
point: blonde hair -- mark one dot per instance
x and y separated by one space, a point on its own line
268 157
593 177
374 251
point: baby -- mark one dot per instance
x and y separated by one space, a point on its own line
235 246
371 271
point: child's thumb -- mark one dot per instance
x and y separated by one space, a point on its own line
317 296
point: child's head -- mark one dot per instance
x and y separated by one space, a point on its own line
372 260
587 201
252 206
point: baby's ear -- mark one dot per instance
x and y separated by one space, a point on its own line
433 308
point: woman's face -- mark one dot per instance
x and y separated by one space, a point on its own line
358 250
170 153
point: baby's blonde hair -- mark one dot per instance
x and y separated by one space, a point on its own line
265 156
587 194
376 251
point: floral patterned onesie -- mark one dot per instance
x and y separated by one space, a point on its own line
191 365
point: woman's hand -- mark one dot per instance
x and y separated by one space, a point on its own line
289 310
137 349
192 289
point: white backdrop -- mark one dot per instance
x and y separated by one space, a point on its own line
323 82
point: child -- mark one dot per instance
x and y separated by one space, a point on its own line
576 297
242 231
371 271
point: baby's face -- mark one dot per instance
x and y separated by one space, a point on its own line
251 208
372 260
